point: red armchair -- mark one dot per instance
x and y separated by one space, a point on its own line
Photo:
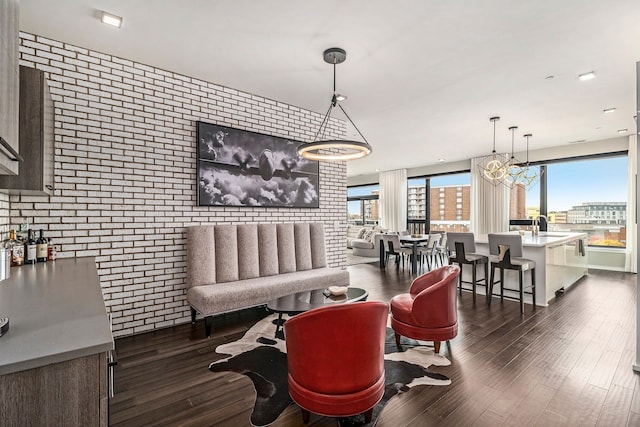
429 311
335 356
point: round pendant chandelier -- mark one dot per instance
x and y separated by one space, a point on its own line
493 168
334 149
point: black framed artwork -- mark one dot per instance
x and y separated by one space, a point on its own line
242 168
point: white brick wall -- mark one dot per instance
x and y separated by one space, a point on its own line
4 216
125 174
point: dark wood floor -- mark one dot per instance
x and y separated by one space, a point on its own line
565 365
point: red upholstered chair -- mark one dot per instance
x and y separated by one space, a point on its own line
429 311
335 356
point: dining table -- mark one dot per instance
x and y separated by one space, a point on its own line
414 240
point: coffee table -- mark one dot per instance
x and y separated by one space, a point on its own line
300 302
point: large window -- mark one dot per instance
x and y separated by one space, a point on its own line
587 195
439 203
362 205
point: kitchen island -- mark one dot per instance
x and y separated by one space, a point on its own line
53 358
561 260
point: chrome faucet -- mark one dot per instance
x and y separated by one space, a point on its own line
535 223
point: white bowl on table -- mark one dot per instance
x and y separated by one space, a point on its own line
338 290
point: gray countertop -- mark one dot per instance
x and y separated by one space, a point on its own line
56 312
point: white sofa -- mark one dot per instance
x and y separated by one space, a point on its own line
231 267
354 232
365 240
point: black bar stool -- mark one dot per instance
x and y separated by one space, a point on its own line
462 248
506 254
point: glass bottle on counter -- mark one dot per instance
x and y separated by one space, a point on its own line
30 249
41 248
52 252
16 249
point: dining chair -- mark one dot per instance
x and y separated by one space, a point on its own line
395 249
429 250
506 254
462 250
441 249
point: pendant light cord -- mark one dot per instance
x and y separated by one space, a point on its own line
494 136
353 124
513 130
334 76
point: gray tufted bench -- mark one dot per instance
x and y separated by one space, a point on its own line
231 267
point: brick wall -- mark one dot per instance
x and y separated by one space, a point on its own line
125 174
4 216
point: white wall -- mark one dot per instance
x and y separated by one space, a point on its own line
125 174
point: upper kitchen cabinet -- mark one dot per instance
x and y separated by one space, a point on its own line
9 60
36 137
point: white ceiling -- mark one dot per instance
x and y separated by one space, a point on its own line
422 77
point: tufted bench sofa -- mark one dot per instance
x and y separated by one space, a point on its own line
231 267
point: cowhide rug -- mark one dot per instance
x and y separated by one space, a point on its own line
263 359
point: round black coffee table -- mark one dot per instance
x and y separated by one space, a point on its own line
300 302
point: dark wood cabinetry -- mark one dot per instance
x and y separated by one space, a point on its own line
9 60
69 393
35 174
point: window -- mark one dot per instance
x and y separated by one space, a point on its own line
585 195
362 205
589 196
445 205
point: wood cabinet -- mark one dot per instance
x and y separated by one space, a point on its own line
69 393
35 175
9 60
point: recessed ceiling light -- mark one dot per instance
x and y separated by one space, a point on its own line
608 110
113 20
587 76
622 131
441 159
578 141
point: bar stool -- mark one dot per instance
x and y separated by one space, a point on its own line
462 248
506 254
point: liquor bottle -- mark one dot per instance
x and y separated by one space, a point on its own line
16 249
41 248
52 252
30 248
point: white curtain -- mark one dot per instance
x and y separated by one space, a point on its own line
632 172
489 204
393 200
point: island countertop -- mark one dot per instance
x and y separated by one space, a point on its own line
560 257
56 313
543 239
